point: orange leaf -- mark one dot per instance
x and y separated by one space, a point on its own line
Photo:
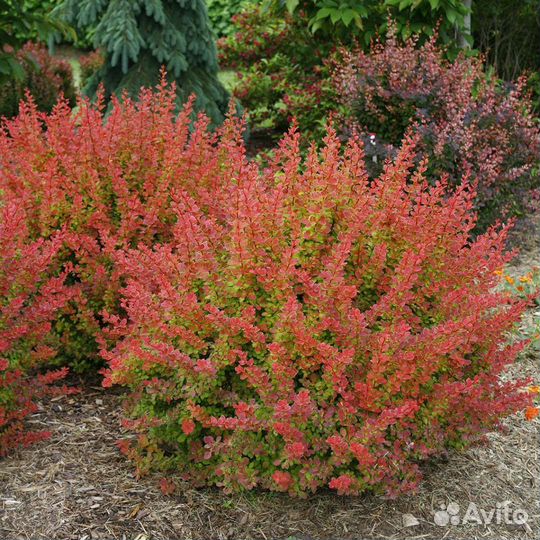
531 413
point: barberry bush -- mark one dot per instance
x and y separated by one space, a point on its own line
471 124
30 298
45 77
107 180
306 327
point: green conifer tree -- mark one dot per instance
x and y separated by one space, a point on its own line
140 36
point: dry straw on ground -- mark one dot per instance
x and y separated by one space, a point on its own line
77 485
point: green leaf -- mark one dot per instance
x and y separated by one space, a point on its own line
4 66
17 71
452 16
316 25
335 16
361 11
348 16
291 5
323 13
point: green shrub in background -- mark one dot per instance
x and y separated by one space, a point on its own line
21 21
281 72
221 13
346 20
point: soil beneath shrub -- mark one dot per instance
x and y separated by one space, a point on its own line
78 485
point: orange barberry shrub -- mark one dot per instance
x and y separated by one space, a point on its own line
106 180
306 327
30 298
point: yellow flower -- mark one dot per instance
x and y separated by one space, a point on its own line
510 279
534 389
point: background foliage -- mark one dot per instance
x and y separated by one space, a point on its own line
281 72
468 123
20 21
138 38
44 76
506 31
221 13
344 19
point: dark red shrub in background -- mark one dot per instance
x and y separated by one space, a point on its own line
470 124
90 63
29 301
303 326
45 77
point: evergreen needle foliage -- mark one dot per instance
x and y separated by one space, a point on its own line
141 36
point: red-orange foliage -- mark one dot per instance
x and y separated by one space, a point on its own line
305 327
107 182
29 300
290 328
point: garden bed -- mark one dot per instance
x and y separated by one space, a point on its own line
281 312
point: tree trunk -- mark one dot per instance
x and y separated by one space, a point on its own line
466 30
